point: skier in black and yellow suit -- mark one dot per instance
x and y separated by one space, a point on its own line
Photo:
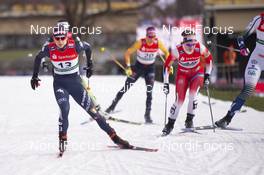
147 49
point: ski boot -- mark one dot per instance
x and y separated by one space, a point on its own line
189 121
62 142
224 122
111 108
147 117
120 142
168 127
98 107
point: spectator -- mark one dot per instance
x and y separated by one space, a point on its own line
230 57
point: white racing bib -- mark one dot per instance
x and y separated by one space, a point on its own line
66 61
66 67
147 53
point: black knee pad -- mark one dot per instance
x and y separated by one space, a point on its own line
150 78
173 109
195 103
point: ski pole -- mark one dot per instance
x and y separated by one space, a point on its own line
86 85
102 49
162 58
116 61
221 46
209 101
165 117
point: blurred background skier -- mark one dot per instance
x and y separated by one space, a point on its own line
147 50
253 70
191 57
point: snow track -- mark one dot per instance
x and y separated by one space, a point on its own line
29 143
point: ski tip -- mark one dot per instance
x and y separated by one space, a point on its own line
144 149
207 127
60 155
163 134
113 146
231 129
136 148
189 130
152 150
149 124
186 129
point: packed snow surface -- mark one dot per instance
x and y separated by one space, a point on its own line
29 134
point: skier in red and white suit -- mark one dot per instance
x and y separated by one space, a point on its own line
194 68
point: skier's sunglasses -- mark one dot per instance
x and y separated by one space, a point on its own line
60 38
151 35
190 44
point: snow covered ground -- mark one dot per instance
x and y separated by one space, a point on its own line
28 135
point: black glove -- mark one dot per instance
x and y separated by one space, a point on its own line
166 88
89 69
34 82
206 80
244 51
89 72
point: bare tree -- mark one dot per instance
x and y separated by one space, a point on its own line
189 7
77 15
178 8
